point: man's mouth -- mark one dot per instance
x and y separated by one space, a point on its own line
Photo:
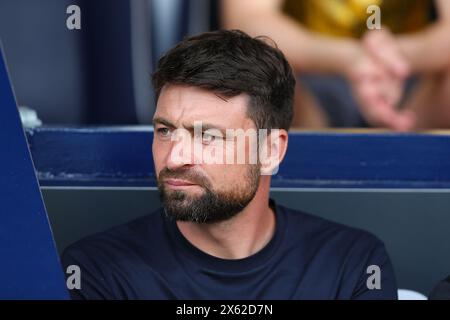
179 183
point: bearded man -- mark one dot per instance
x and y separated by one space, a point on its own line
218 234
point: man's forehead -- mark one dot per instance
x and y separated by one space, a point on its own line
184 105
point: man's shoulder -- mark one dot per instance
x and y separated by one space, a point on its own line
313 228
107 259
348 253
123 238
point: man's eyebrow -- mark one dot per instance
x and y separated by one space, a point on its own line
204 126
207 126
221 97
163 121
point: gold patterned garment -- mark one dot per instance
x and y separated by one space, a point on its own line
348 17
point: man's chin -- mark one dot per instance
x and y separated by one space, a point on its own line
195 188
183 195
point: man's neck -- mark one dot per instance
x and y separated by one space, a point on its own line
243 235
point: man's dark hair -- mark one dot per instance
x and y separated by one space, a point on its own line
229 62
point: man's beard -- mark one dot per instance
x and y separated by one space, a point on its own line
211 206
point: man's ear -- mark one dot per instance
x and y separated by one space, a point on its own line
272 151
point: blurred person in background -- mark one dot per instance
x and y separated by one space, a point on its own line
396 77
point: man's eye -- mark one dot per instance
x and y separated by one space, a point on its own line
208 138
164 132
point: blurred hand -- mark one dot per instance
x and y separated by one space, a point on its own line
383 47
377 77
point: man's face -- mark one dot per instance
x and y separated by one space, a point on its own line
192 186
